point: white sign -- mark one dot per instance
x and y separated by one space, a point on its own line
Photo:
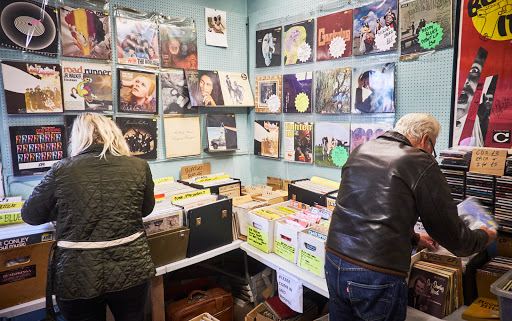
290 290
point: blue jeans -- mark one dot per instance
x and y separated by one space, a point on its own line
356 293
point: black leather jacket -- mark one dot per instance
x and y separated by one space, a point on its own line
386 184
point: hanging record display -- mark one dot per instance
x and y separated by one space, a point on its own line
204 88
332 92
179 45
297 90
138 91
236 89
140 134
137 42
175 97
32 88
373 89
268 47
28 26
334 36
298 42
85 33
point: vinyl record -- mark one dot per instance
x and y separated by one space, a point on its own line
29 26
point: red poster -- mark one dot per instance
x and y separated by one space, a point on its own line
334 36
483 106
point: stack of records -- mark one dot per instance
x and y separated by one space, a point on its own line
498 266
481 186
314 187
456 158
23 234
508 166
456 180
171 188
503 202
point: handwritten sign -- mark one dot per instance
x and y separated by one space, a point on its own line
257 238
285 250
11 206
241 200
311 262
275 182
488 161
290 290
195 170
10 218
209 179
163 180
190 195
430 35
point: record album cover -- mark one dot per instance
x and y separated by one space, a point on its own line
373 89
28 26
361 133
332 93
268 94
140 134
267 138
298 42
298 142
175 97
236 89
429 291
297 90
216 27
204 88
334 36
87 86
137 42
332 143
32 87
35 149
375 28
179 45
268 47
221 130
419 17
85 33
182 136
138 91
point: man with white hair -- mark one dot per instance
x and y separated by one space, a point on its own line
387 183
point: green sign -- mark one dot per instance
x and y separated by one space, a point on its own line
285 250
430 36
311 262
257 238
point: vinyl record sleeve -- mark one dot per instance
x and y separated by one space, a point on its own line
175 96
298 42
334 36
35 149
140 134
204 88
268 94
267 138
87 86
182 136
297 89
268 47
137 42
236 89
179 46
298 142
32 88
85 33
28 26
221 130
332 92
137 91
361 133
332 143
373 89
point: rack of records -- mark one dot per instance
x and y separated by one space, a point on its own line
482 187
312 192
457 181
503 202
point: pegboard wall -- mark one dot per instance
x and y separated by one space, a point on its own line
422 85
233 58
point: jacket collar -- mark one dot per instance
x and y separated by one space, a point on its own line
94 148
396 136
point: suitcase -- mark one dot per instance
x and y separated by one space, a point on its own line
217 302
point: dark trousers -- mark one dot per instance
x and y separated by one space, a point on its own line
126 305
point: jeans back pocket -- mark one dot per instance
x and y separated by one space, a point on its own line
371 302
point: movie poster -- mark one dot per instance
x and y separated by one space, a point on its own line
35 149
425 25
137 42
138 91
298 42
32 87
268 94
221 132
334 36
332 144
175 98
216 27
204 88
236 89
298 142
332 93
361 133
140 134
373 89
28 26
482 115
268 47
87 86
85 33
178 42
266 138
375 28
297 90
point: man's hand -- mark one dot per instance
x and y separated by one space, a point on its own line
491 234
428 242
208 100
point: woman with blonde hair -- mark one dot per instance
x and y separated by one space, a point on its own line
97 197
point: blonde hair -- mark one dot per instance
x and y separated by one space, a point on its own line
91 129
414 126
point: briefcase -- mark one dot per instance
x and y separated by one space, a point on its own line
217 302
168 246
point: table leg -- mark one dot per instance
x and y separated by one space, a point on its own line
157 298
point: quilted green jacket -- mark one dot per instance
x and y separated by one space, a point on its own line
95 200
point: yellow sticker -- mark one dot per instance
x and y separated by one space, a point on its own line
10 218
257 238
311 262
302 102
285 250
190 195
209 179
164 180
10 206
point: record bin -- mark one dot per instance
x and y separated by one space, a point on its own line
504 296
306 196
229 189
168 246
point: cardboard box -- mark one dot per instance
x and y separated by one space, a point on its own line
25 281
287 241
204 317
311 254
504 245
484 280
260 232
241 212
310 312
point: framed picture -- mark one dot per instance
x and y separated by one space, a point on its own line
268 94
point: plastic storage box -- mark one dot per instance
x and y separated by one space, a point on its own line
504 297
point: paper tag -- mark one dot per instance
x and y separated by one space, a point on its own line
257 238
285 250
273 103
163 180
339 156
10 218
331 203
337 47
190 195
488 161
290 290
195 170
10 206
430 35
241 200
311 262
209 179
302 102
251 189
304 52
385 38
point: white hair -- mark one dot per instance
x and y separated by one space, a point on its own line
414 126
91 129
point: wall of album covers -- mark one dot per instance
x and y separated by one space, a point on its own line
315 57
112 86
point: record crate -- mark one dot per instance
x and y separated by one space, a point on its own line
307 196
230 189
168 246
504 295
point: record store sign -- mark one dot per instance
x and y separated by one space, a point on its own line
488 161
290 290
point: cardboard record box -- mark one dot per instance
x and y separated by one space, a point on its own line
308 196
168 246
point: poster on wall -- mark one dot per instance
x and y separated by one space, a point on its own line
482 114
332 144
35 149
267 138
175 97
375 28
425 25
373 89
334 36
361 133
268 94
28 26
32 87
204 88
268 47
140 134
137 91
236 89
87 86
85 33
298 142
137 42
221 132
297 89
178 42
298 42
216 27
332 92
